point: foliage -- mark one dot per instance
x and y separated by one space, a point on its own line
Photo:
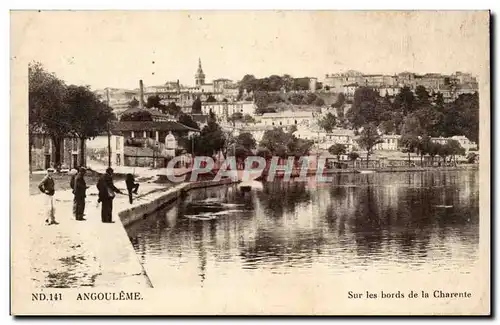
284 144
133 103
328 122
368 138
196 107
337 149
472 157
211 99
61 111
353 155
187 120
142 115
210 140
246 140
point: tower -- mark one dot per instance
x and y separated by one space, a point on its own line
199 77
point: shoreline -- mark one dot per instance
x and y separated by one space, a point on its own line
75 247
71 254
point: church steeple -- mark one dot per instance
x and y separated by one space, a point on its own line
199 77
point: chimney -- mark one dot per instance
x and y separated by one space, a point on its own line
141 95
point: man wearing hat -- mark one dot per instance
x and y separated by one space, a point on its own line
47 187
79 189
106 195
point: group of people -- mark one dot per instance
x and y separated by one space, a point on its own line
105 187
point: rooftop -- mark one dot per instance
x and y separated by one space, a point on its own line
124 126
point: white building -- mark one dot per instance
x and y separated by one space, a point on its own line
287 118
256 130
390 142
226 109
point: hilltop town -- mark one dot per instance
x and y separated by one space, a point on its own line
153 123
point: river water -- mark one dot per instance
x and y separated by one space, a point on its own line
388 223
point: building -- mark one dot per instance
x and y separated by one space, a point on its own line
287 118
43 152
256 130
224 110
389 142
325 140
97 151
221 84
151 129
199 77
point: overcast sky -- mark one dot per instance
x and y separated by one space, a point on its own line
116 49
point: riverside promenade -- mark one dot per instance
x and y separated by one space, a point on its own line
85 253
91 253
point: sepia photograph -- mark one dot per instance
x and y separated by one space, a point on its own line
250 162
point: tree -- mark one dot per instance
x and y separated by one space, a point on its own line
155 102
337 149
340 101
247 118
261 100
139 116
404 100
472 157
173 109
47 109
328 122
187 120
211 99
236 116
424 147
454 148
133 103
212 138
319 101
196 107
368 139
353 156
89 116
365 108
275 141
410 134
246 140
433 150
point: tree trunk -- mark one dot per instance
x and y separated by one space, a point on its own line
82 152
367 158
56 141
30 140
421 161
409 160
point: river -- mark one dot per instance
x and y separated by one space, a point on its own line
387 223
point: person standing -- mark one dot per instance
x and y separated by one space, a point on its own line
79 192
132 186
107 192
47 187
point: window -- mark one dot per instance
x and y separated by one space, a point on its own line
117 142
295 122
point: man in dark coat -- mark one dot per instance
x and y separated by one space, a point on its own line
47 187
79 188
132 186
106 195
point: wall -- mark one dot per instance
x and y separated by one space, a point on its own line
140 211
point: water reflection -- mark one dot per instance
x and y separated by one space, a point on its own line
383 222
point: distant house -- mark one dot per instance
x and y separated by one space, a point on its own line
151 129
43 151
287 118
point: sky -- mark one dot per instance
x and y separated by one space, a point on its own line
116 49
